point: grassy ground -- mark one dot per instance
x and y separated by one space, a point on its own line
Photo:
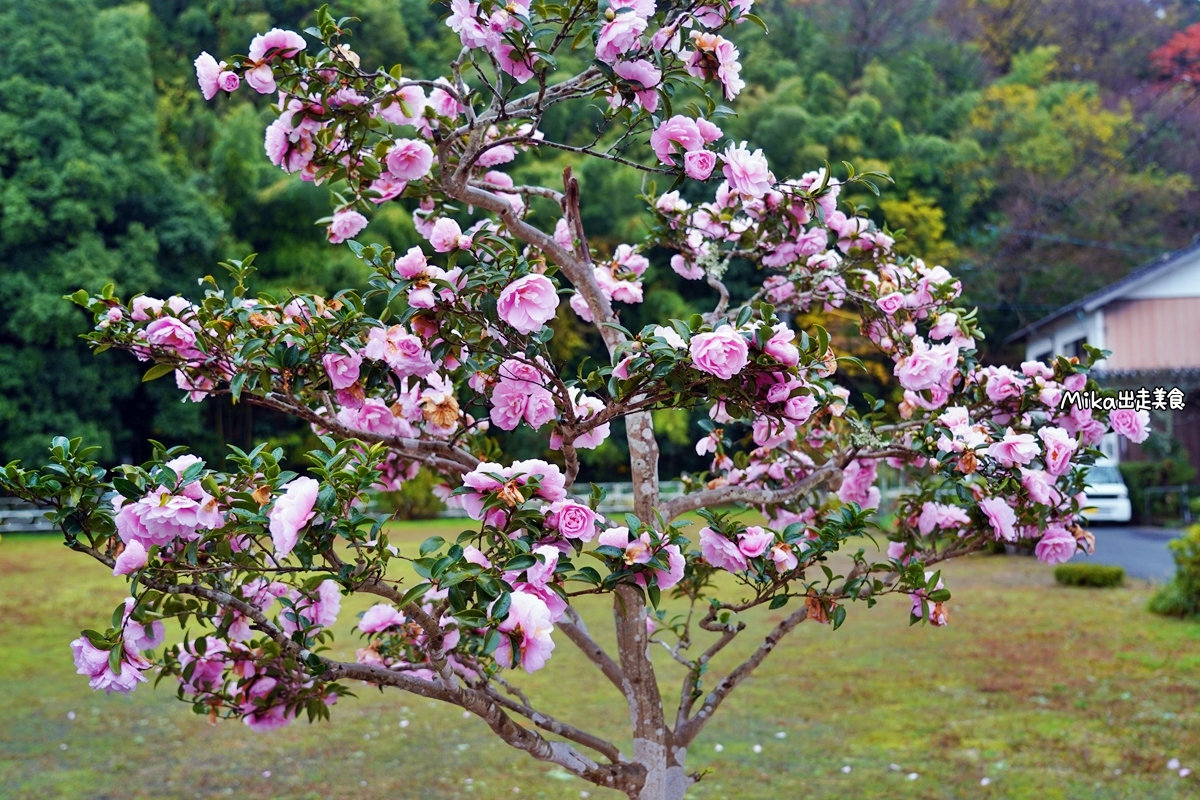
1044 691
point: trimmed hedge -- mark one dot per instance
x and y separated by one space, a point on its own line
1181 597
1096 575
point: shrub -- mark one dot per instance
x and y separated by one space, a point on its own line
414 499
1181 597
1100 576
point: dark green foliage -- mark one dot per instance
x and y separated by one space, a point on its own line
414 500
113 168
1171 467
1181 597
1099 576
87 199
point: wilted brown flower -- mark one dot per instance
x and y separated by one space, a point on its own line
262 495
510 494
440 409
817 611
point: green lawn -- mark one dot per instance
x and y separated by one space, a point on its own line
1047 692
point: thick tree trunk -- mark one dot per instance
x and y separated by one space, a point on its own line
666 778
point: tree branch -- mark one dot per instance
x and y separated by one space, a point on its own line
685 735
549 723
745 494
577 632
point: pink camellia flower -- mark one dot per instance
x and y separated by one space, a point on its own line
528 303
402 351
207 72
573 520
372 415
682 268
799 409
446 235
291 512
1040 486
722 353
784 557
711 48
408 106
1001 517
164 517
1060 446
171 333
412 264
939 515
346 224
678 130
551 483
342 368
144 308
858 480
387 187
89 659
289 149
275 42
93 662
132 558
1015 449
528 618
891 303
579 306
538 407
542 572
755 541
1057 546
780 346
676 564
927 367
1133 425
1003 384
261 79
409 159
937 613
619 37
140 636
720 552
709 132
228 82
380 617
508 405
644 78
747 173
513 63
321 611
196 386
698 164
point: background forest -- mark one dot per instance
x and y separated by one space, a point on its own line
1039 148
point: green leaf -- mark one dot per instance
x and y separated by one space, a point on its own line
500 609
157 371
415 593
114 660
778 601
431 544
521 562
839 616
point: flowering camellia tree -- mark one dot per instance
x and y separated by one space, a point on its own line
450 341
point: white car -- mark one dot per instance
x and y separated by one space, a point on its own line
1107 495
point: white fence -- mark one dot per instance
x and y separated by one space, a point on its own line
18 516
